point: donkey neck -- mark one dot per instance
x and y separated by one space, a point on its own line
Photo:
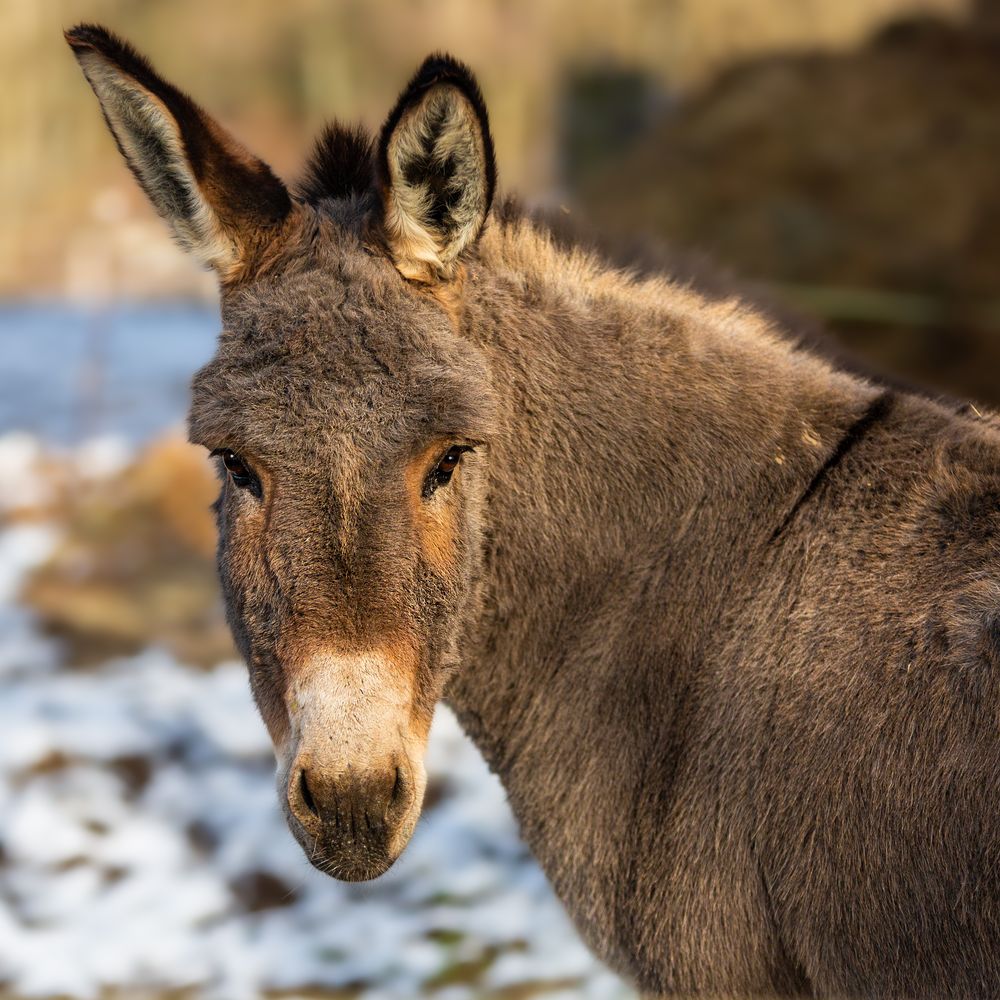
648 443
643 431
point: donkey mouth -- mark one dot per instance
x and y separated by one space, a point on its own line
351 854
355 827
356 862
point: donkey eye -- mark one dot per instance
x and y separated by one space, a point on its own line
442 472
239 471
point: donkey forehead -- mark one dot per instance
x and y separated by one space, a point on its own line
307 361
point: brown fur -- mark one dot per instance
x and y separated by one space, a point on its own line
435 527
725 621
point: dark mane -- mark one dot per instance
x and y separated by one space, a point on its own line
341 165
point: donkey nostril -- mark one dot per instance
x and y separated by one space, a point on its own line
307 798
397 787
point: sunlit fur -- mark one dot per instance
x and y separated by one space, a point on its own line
725 620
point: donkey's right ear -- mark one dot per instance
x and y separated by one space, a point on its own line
222 203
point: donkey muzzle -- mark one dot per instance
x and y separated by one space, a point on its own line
353 781
354 821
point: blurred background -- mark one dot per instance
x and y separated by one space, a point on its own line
836 158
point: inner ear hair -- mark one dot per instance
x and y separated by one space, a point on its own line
436 171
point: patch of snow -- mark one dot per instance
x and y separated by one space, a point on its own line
101 457
139 796
22 649
20 483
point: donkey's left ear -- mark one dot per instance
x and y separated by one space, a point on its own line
223 204
436 172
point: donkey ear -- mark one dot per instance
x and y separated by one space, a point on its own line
436 172
222 203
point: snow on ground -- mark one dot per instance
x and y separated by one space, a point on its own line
142 848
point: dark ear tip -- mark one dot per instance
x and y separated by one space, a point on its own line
442 68
97 38
89 36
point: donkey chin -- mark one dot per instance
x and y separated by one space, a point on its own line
351 776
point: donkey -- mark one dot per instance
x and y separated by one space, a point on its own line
724 619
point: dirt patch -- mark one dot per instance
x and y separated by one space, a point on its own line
135 566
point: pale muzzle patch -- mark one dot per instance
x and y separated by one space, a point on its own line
354 733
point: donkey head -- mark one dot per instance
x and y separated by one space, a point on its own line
348 419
